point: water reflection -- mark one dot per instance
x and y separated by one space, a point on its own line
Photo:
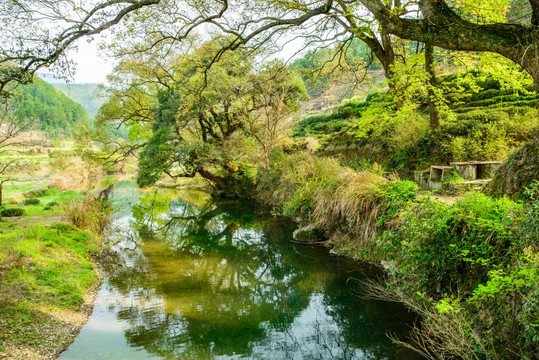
203 279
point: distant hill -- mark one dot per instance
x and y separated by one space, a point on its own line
52 109
84 94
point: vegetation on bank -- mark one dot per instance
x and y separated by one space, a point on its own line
484 119
46 269
470 269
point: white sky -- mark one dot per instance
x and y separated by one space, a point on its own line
90 68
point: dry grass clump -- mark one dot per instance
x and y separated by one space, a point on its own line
73 173
287 174
335 198
88 213
352 203
438 336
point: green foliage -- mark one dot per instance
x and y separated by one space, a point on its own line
484 120
216 121
473 260
155 158
395 196
49 108
455 246
323 67
12 212
338 120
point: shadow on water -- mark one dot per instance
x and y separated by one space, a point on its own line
197 278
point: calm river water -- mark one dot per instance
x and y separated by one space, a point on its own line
200 279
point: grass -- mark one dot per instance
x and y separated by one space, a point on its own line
46 269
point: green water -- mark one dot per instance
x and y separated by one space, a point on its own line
199 279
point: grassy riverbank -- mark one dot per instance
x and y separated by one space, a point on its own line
47 272
469 268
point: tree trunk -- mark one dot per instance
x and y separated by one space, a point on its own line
434 110
442 27
218 182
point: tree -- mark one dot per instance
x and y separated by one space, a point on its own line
434 111
203 120
278 91
444 24
53 111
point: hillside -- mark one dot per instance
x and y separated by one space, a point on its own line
486 124
84 94
52 110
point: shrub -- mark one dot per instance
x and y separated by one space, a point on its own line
30 202
88 213
452 247
12 212
50 205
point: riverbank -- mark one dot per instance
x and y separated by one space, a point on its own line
469 268
48 272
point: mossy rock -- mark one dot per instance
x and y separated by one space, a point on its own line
308 234
518 171
12 212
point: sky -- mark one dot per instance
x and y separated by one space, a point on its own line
91 67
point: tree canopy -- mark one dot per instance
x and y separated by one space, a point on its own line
31 42
204 120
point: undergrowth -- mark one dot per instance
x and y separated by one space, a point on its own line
471 268
46 265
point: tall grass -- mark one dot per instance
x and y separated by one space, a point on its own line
334 198
88 213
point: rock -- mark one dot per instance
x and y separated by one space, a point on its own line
308 234
518 171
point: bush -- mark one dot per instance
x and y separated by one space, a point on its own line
88 214
454 247
12 212
50 205
30 202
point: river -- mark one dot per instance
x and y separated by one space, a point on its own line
196 278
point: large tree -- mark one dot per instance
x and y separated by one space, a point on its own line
448 27
193 119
